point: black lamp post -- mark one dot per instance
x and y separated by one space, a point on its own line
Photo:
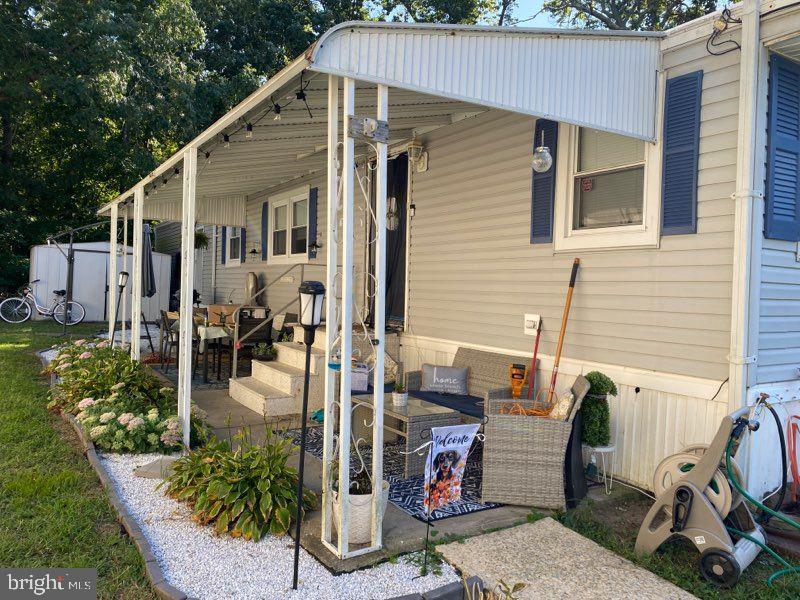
122 281
312 293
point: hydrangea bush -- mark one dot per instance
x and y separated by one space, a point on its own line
121 406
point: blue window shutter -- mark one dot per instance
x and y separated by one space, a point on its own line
681 151
312 222
224 244
543 185
782 202
264 230
243 245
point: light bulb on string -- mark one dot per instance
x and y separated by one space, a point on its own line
542 159
248 131
277 110
226 140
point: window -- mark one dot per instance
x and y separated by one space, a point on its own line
607 191
231 246
609 182
289 226
234 244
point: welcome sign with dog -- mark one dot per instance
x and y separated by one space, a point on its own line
444 468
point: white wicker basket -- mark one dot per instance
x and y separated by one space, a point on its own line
360 514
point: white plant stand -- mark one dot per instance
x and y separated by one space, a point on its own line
603 458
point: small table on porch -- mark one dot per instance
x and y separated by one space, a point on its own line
215 333
410 422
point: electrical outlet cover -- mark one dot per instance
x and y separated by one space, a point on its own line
531 323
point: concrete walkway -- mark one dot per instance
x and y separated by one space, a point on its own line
555 562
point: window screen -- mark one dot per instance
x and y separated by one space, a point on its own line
279 231
300 227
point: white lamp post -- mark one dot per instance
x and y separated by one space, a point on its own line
312 294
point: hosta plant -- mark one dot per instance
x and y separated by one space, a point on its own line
242 488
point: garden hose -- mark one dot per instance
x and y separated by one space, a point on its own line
772 513
765 516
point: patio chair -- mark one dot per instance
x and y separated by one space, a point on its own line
170 339
530 460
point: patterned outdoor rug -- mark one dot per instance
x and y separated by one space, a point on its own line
407 493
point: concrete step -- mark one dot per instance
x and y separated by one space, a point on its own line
319 339
293 354
262 398
282 377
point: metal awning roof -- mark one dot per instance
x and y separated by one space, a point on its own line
437 75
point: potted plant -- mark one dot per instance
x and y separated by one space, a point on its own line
200 240
264 351
595 410
360 504
400 394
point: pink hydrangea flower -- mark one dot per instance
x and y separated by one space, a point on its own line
64 366
80 342
106 417
125 418
102 345
85 403
85 355
135 423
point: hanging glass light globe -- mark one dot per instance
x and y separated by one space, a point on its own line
542 159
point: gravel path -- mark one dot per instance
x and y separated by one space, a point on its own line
206 566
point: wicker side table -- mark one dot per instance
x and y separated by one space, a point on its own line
411 422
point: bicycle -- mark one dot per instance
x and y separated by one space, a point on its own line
17 309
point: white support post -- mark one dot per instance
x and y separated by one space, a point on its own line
127 290
345 414
187 279
380 322
113 247
136 285
331 325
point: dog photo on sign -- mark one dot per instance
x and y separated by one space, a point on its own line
447 459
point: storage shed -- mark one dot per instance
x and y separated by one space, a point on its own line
89 287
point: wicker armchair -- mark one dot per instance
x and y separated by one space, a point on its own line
533 461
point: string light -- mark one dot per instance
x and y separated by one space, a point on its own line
277 110
248 131
226 140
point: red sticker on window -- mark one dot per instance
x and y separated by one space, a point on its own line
587 184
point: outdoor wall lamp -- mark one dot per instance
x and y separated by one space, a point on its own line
312 295
542 159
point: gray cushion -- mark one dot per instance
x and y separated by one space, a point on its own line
445 380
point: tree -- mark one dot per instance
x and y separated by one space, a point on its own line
439 11
650 15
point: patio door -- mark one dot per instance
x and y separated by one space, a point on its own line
396 203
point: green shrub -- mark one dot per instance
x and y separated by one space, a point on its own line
595 410
121 406
247 492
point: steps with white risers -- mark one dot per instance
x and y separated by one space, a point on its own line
261 398
319 337
293 354
282 377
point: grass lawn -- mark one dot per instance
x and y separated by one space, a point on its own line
53 510
614 523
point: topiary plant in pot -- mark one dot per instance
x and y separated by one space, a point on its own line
596 413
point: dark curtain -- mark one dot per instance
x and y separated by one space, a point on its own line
397 188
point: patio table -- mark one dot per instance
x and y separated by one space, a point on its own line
411 422
215 333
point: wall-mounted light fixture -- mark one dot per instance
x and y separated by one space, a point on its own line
542 159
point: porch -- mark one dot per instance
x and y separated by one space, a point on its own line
275 144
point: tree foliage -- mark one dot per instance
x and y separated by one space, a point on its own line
650 15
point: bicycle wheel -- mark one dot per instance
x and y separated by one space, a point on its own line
75 314
15 310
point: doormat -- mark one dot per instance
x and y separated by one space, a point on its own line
406 493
